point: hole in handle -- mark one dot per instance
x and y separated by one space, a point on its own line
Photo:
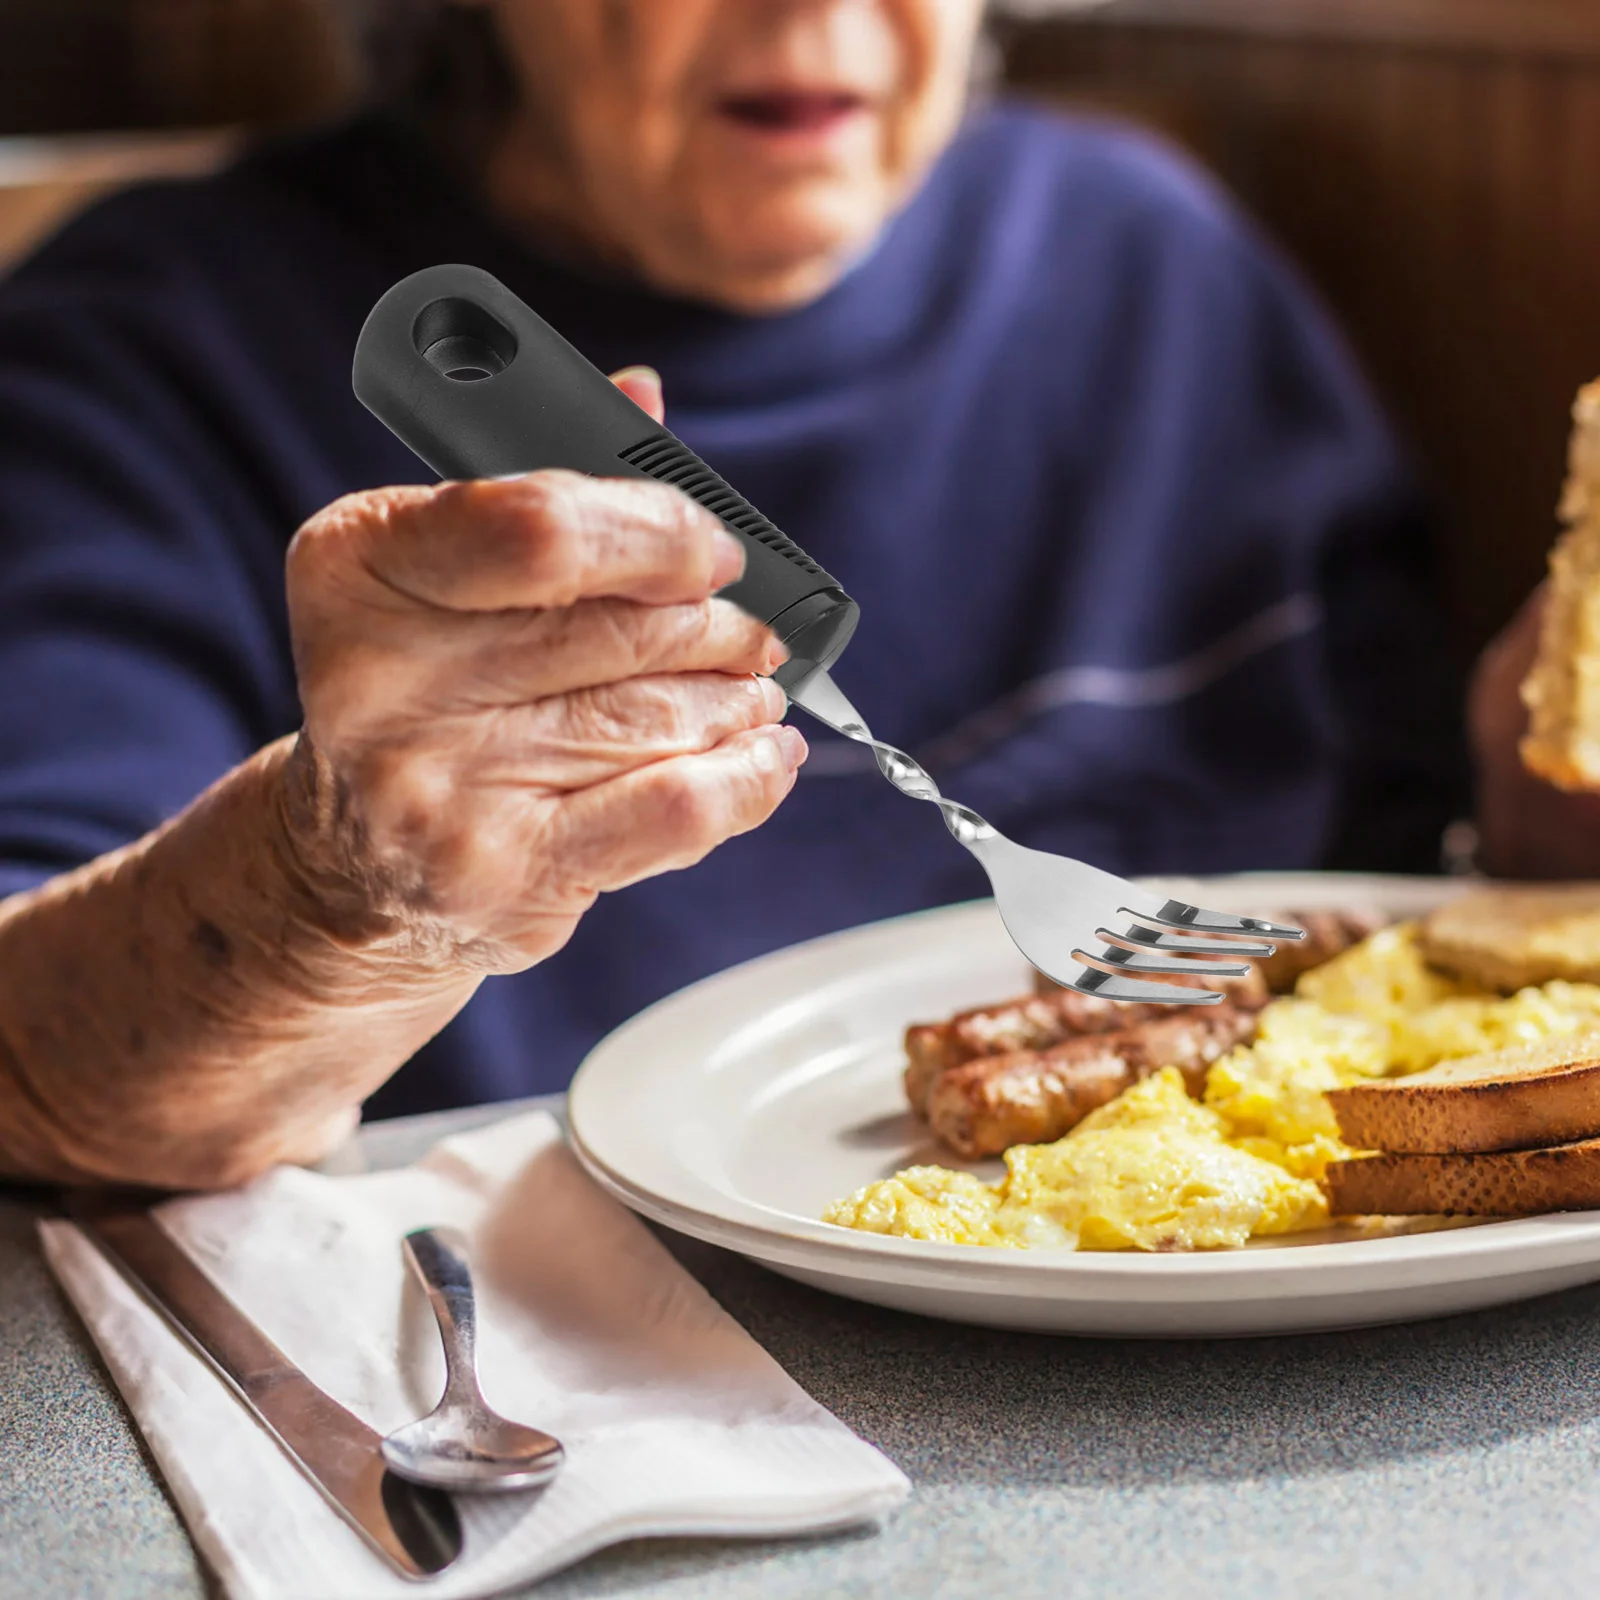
463 342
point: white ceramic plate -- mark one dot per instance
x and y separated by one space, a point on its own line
736 1109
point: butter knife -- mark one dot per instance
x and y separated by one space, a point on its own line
413 1528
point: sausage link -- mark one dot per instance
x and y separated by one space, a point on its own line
1038 1022
984 1106
1033 1022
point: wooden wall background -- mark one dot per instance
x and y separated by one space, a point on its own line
89 65
1434 165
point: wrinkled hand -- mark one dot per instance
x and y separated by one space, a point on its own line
1528 828
518 694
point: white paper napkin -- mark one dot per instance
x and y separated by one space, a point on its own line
675 1421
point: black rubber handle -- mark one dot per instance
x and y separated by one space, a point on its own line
480 386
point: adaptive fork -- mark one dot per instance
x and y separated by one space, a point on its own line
480 386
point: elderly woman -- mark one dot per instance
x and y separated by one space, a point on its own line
1138 568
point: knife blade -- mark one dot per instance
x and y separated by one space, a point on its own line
413 1528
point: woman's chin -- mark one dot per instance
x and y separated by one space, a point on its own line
775 257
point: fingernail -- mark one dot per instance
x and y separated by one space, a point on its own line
727 562
648 374
793 745
777 654
774 701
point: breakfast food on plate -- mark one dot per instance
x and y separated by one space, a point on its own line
1509 938
1054 1015
1153 1170
1562 690
1039 1023
1504 1133
1543 1093
1500 1183
1168 1159
986 1105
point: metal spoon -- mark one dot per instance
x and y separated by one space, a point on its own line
461 1444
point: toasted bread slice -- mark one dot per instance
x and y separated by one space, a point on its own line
1506 939
1562 689
1503 1183
1545 1093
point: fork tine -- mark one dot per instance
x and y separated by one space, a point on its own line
1182 944
1112 986
1176 914
1178 966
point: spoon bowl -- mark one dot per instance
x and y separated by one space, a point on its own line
472 1451
462 1444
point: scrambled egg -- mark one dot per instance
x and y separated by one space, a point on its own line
1151 1171
1155 1170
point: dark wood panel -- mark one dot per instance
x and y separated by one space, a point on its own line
1563 27
237 61
63 64
81 65
1446 203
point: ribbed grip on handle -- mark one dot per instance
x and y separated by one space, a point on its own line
478 385
674 462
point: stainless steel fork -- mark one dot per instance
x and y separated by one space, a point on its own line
1085 928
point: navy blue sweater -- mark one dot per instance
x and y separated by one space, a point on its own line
1140 574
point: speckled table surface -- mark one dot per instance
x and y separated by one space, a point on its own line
1452 1458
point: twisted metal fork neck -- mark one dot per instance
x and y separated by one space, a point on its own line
911 778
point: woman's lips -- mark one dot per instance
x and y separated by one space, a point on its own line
802 114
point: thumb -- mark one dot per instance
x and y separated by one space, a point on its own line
642 385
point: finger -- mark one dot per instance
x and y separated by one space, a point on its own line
428 668
544 539
574 741
607 641
672 813
642 385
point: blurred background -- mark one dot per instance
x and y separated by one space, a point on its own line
1434 165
